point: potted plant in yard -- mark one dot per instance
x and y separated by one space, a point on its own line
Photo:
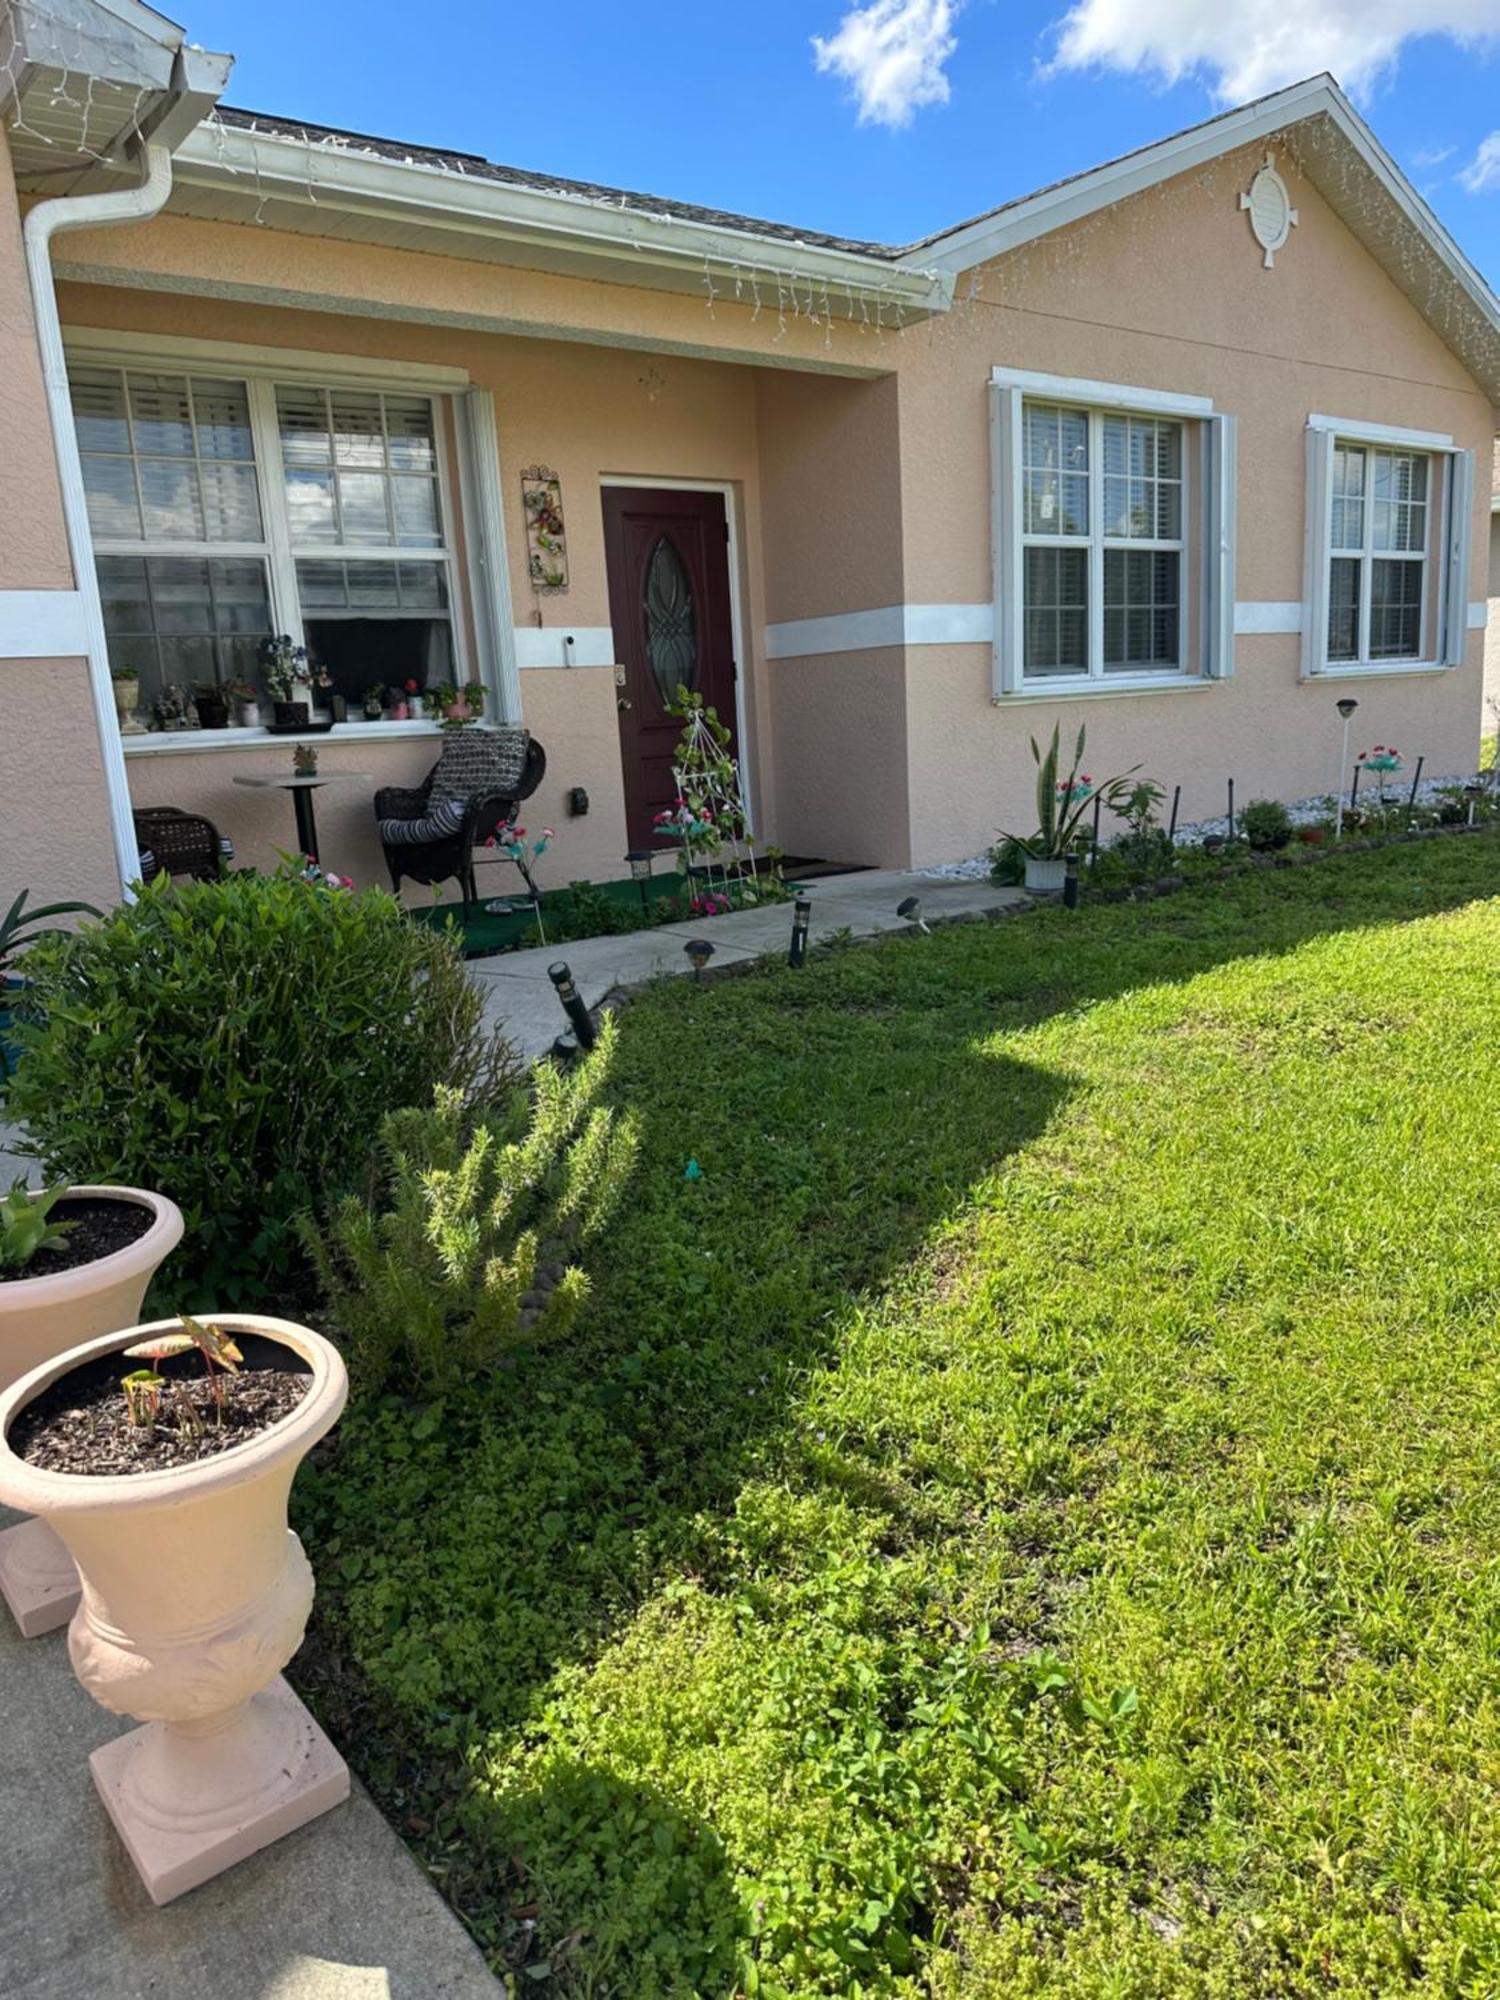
245 699
375 702
18 931
212 704
163 1456
287 678
1060 806
74 1262
126 682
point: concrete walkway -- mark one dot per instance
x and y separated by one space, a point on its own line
338 1911
520 998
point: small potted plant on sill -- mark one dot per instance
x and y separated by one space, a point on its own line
1060 806
375 702
74 1262
413 700
212 704
245 700
126 682
163 1456
287 678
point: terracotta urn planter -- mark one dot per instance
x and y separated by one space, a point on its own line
40 1318
196 1594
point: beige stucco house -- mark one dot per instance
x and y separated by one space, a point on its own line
1183 448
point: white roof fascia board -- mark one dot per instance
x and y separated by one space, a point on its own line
198 82
339 178
1054 208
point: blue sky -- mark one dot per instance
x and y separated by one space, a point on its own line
888 119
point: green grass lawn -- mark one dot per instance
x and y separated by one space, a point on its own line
1026 1519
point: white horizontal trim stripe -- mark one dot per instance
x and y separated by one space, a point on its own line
565 646
890 625
1381 433
42 625
1119 395
1265 616
1479 616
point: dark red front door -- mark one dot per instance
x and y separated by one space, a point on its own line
668 557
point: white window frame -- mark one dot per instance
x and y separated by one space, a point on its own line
472 484
1450 501
1208 522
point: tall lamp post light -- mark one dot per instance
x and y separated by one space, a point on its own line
1346 708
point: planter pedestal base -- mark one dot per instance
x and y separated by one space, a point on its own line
190 1800
37 1578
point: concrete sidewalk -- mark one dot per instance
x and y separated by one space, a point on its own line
337 1911
520 998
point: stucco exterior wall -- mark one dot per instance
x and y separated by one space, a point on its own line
54 821
1168 291
33 537
840 722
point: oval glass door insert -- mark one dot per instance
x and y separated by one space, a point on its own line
671 627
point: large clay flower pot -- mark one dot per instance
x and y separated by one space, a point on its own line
43 1317
195 1596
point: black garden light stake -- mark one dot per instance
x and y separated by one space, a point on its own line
1416 779
1231 809
1354 787
1346 707
565 1050
1473 793
699 951
801 917
573 1004
910 907
1094 851
1172 829
1070 879
639 863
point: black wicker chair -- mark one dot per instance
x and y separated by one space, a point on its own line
451 859
173 842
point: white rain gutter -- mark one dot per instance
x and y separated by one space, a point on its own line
46 220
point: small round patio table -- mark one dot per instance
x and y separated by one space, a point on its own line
302 786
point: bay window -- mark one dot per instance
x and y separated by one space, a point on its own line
227 508
1113 536
1389 516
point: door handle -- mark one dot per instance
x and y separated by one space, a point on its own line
622 701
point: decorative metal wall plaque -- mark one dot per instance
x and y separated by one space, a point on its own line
1269 206
546 536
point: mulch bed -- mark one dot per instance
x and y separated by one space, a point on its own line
100 1228
82 1424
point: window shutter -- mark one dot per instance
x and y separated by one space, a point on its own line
1219 536
1005 522
484 532
1315 557
1460 540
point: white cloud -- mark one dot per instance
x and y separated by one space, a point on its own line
1428 157
1483 171
891 54
1247 47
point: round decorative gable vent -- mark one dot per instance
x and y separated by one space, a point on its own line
1269 206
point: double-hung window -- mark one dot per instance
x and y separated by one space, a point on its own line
1389 515
1113 519
226 507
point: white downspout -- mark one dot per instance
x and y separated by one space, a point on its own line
88 211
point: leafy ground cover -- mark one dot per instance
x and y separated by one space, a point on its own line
1024 1520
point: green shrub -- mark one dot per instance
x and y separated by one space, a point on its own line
1266 825
460 1259
235 1045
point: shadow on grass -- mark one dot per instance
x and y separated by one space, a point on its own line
835 1117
